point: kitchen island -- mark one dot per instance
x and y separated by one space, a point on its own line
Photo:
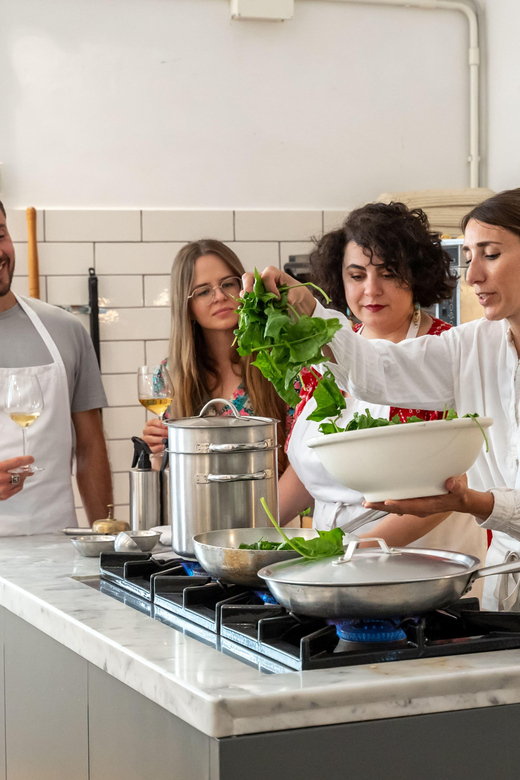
92 689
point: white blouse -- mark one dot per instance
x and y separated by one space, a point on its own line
472 368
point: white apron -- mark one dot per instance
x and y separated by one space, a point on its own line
46 503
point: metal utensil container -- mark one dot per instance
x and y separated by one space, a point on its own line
220 468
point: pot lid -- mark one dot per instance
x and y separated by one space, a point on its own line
372 566
208 418
219 421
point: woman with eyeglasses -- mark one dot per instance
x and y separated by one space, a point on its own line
202 361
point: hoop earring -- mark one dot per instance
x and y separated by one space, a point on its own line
416 312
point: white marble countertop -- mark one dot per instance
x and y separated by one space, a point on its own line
217 694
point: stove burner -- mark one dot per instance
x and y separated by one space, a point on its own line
192 568
265 596
248 626
369 630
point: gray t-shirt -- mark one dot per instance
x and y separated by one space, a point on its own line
22 346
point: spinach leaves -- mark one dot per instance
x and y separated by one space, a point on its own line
284 342
326 544
362 421
264 544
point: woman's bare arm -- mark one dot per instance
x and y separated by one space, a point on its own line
293 496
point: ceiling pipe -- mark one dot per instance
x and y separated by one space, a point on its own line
473 61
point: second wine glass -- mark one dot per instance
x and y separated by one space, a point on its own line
154 389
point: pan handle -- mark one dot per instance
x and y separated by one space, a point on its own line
366 517
500 568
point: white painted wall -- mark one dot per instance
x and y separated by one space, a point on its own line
502 24
170 104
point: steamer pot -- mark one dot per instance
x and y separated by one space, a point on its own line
220 468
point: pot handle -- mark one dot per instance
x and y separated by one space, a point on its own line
354 543
257 475
257 445
500 568
221 400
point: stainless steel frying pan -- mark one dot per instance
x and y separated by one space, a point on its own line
376 582
218 553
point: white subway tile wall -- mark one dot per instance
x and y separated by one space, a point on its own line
132 253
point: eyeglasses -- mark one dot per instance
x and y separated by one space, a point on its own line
230 287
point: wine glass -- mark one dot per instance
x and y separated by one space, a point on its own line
24 404
154 389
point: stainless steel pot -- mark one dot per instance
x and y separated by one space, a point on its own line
220 468
373 582
219 553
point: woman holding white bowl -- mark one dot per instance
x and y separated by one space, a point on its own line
382 267
473 368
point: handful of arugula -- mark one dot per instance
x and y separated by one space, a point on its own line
326 544
285 342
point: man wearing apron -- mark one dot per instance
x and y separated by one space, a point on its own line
43 341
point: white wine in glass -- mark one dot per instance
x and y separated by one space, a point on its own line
154 389
24 404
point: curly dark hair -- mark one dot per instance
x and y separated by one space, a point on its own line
401 238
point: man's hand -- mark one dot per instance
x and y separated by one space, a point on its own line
153 434
300 297
8 487
459 498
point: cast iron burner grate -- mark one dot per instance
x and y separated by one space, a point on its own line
248 627
135 572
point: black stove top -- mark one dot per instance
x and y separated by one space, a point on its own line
246 624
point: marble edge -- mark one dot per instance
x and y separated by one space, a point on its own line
235 699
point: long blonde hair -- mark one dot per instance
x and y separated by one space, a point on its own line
192 370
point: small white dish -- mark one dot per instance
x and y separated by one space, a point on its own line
134 541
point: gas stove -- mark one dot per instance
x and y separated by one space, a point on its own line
248 624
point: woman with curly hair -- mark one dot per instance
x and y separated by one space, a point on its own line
382 268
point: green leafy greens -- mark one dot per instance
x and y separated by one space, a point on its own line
326 544
285 342
264 544
362 421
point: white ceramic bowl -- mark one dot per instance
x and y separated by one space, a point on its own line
145 540
401 461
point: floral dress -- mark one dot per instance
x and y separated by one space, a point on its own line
242 404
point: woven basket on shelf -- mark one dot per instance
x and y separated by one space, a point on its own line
445 208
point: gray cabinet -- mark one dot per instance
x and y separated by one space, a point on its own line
2 699
45 706
68 720
135 739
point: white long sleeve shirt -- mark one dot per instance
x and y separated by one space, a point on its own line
472 368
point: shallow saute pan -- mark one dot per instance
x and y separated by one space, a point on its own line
219 554
376 582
